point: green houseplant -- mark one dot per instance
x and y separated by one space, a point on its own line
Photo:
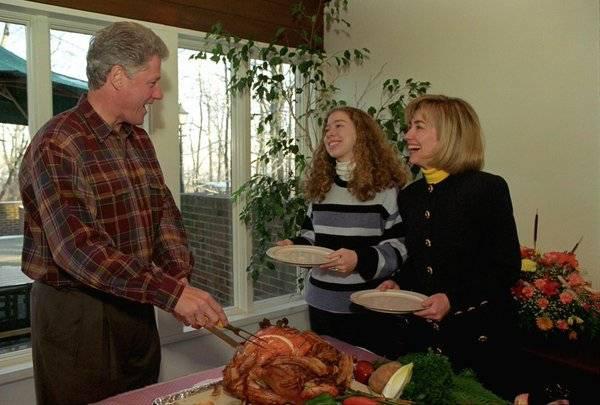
295 88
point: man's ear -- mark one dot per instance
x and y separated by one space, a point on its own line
116 76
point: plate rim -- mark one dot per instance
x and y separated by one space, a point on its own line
410 293
272 249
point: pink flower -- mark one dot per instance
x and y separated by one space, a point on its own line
543 303
539 283
566 297
562 324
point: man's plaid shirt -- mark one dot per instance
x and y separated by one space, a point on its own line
98 212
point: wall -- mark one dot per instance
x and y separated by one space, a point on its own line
532 71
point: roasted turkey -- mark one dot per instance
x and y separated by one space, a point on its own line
288 367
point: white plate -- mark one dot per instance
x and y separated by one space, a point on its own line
390 301
299 255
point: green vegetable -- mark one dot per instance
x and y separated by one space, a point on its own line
432 379
323 399
467 390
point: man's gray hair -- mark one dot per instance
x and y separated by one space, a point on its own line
124 43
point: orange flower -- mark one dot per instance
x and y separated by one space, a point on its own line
566 297
544 323
539 283
527 253
543 303
572 335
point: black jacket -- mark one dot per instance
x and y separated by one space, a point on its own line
462 241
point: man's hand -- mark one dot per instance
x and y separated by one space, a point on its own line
198 308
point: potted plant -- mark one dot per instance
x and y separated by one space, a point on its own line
296 87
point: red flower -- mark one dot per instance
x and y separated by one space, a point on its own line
561 259
550 288
566 298
543 303
562 324
527 253
575 279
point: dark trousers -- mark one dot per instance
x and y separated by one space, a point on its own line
380 333
88 345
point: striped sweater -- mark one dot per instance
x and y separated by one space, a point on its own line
373 229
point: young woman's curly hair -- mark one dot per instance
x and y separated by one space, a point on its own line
378 165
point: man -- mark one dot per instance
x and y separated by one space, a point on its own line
103 239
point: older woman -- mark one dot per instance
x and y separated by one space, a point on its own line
463 250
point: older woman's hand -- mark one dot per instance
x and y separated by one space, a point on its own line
435 307
285 242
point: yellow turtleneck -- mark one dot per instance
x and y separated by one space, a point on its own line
434 176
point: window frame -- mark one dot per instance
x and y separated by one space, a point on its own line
39 19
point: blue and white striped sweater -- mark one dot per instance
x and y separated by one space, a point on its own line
372 228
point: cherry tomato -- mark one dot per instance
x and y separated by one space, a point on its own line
362 371
359 401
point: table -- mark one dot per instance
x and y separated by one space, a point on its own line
145 396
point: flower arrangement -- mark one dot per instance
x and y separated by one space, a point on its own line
553 297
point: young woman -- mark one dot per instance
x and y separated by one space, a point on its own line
352 186
463 249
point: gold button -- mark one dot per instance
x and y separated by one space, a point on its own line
429 269
427 214
427 243
430 188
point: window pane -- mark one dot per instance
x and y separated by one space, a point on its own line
14 138
68 52
282 280
205 144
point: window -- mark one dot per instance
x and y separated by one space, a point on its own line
205 145
14 138
68 51
282 280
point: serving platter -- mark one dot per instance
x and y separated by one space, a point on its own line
299 255
389 301
209 392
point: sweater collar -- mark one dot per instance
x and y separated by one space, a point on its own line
434 176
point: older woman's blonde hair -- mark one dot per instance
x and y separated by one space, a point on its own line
378 164
459 134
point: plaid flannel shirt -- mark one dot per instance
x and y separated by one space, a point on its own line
98 212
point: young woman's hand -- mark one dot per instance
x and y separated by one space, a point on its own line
285 242
435 307
388 285
342 261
